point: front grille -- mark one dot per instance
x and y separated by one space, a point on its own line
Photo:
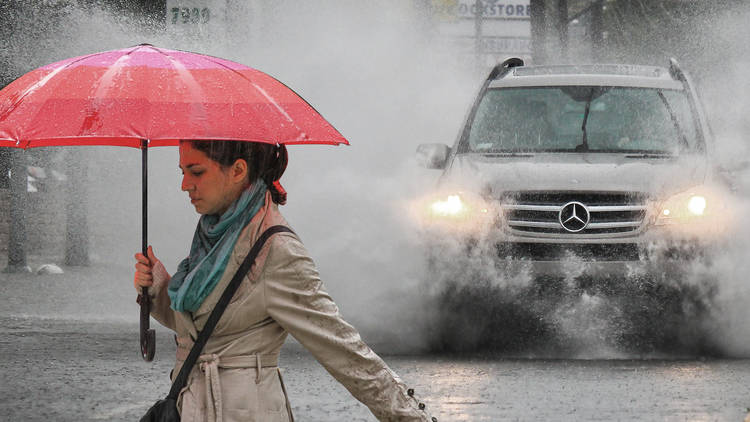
556 252
539 212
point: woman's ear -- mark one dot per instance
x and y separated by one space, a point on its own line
239 170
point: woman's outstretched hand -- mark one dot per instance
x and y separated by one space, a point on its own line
150 272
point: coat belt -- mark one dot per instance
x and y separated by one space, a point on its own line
209 364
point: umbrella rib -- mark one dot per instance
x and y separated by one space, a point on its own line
265 94
306 102
194 87
40 83
103 85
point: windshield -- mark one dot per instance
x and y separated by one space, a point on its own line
583 118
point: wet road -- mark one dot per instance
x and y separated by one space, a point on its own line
84 371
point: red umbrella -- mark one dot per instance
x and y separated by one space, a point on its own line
145 96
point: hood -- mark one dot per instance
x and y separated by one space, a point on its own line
575 172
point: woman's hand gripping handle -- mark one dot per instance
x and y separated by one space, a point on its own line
150 272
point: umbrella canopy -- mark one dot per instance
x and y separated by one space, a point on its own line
122 97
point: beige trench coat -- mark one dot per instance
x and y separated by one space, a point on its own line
237 378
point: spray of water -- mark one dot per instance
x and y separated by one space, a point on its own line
694 308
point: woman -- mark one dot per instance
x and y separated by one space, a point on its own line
234 186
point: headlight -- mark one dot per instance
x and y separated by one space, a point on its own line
456 206
453 211
697 205
687 207
450 206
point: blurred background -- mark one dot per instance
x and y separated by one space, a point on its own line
388 74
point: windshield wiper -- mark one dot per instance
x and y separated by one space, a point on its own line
507 154
584 146
681 133
650 154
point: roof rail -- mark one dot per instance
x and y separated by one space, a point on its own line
675 70
505 66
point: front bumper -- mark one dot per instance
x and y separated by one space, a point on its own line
653 254
575 268
659 251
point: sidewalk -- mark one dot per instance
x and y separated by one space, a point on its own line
96 293
104 293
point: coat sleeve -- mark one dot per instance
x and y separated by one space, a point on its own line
160 307
295 298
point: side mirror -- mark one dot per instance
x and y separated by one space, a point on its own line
433 156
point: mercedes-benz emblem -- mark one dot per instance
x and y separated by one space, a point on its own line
574 217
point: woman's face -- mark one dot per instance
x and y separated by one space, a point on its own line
212 189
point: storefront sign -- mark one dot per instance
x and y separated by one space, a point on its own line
494 9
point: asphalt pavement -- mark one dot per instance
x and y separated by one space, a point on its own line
69 352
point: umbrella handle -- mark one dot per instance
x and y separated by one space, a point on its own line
148 336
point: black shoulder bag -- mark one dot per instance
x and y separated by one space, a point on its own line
165 410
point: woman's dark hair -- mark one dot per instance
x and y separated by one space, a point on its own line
264 161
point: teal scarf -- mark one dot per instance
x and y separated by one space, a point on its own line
213 242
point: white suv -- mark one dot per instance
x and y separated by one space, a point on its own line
605 165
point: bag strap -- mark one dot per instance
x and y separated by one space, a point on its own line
213 319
